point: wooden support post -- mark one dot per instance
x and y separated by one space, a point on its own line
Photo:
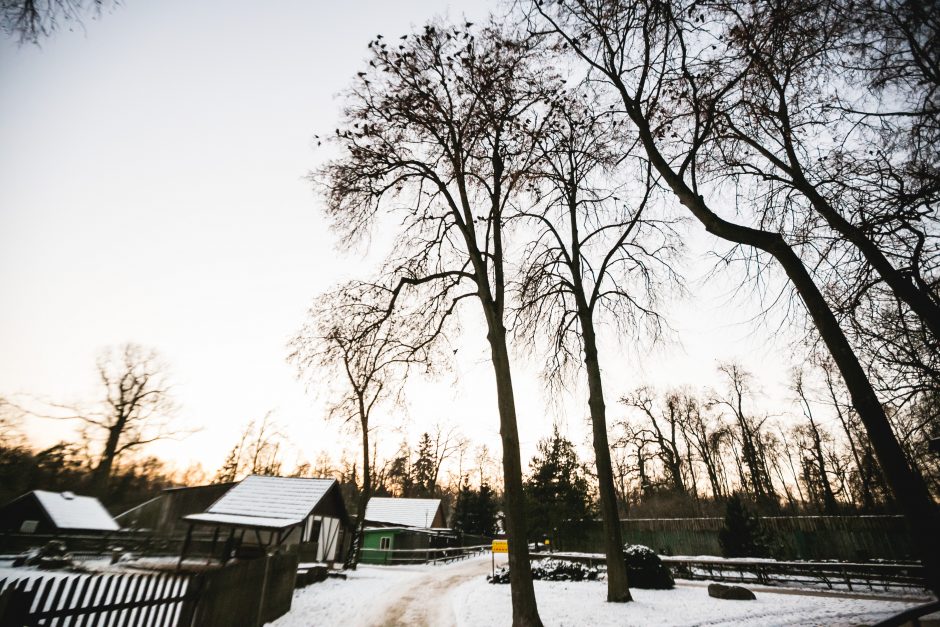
189 538
215 538
229 546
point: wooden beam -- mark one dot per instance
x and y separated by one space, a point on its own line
189 538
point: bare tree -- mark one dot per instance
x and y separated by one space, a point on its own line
815 447
662 428
593 254
349 338
434 134
32 20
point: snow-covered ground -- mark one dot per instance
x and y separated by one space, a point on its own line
458 594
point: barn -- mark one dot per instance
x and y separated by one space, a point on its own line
261 514
53 513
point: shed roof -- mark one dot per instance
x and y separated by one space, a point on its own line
70 511
405 512
268 502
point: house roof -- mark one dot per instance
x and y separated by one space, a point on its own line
268 502
70 511
404 512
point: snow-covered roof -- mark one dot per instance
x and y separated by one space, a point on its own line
70 511
405 512
273 502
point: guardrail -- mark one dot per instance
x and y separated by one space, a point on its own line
421 556
771 572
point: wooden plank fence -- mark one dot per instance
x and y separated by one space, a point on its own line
114 600
247 593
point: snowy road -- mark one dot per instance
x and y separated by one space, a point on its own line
430 598
458 594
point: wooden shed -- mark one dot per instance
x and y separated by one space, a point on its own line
260 514
44 512
163 514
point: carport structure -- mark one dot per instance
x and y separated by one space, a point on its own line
262 513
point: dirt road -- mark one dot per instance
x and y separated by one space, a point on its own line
427 599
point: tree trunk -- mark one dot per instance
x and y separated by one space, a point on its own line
618 590
102 472
906 483
355 551
524 610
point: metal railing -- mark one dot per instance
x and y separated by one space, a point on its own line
772 572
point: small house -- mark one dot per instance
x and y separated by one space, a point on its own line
260 514
400 530
54 513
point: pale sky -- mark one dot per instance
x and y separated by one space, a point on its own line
152 190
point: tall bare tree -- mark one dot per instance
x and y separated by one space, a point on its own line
593 254
434 134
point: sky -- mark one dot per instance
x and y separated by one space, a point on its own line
152 190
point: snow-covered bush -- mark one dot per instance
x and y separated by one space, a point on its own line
645 569
550 570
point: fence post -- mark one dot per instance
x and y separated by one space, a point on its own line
15 602
264 589
195 585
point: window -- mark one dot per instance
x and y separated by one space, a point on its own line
385 543
29 526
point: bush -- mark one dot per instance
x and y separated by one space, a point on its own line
550 570
645 569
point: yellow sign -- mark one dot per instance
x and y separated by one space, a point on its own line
500 546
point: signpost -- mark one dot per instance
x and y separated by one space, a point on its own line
499 546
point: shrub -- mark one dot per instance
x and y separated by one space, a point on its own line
645 569
550 570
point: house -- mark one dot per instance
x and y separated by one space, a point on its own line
404 531
43 512
393 512
260 514
405 545
163 514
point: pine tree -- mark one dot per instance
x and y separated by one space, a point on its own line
743 534
423 468
557 491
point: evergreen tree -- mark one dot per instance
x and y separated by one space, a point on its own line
557 491
423 468
475 511
743 534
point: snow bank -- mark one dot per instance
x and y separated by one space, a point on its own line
584 603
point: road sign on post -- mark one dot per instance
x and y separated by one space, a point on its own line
499 546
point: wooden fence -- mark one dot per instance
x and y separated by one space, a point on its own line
251 592
248 593
849 538
119 600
